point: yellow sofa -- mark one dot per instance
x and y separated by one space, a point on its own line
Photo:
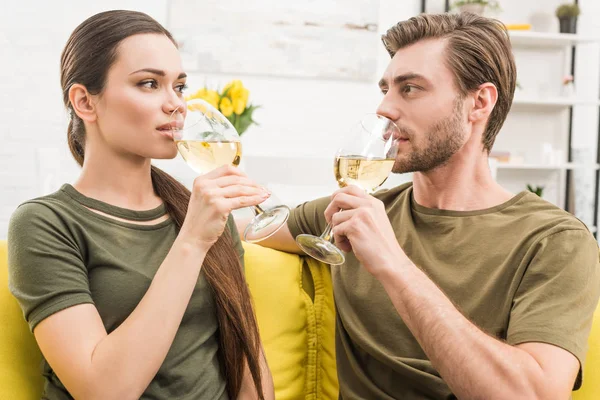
294 306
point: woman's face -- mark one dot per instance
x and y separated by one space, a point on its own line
143 87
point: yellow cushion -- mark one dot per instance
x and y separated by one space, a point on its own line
590 390
322 382
280 306
20 358
297 333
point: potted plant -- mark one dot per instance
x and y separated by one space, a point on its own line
567 17
475 6
539 190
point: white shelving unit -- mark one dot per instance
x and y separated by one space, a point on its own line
548 40
556 102
541 116
565 166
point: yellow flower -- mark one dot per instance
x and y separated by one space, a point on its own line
231 86
226 106
239 93
200 94
239 106
196 106
212 97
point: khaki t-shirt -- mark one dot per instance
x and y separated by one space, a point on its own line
61 254
523 271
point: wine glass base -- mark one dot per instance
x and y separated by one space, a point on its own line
320 249
266 224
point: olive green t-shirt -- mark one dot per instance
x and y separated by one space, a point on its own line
60 254
523 271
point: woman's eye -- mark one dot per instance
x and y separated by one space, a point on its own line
151 84
181 88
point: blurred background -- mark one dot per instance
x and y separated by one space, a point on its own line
313 68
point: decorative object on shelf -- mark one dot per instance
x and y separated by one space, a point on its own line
476 6
518 27
539 190
567 17
232 101
568 87
500 156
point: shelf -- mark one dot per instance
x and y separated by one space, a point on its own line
566 166
548 40
556 102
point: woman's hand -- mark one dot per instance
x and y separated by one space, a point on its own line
214 196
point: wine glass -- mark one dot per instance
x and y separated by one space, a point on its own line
365 160
207 140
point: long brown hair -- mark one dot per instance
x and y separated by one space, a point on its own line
86 59
478 51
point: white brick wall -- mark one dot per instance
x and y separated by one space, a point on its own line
34 158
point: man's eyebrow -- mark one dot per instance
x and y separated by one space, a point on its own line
401 78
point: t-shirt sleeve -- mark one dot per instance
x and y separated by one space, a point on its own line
309 217
46 271
235 236
558 294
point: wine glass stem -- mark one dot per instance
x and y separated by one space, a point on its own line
257 210
326 235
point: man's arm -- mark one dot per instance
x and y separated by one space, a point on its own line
473 364
281 240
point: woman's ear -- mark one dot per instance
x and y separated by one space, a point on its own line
484 101
82 103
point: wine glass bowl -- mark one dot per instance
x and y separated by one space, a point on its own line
365 159
207 140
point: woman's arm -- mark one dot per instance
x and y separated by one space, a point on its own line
94 365
248 390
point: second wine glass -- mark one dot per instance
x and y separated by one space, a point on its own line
365 159
207 140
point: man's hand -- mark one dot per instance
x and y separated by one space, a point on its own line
364 227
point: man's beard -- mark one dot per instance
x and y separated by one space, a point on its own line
443 140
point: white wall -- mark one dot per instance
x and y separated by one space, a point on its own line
299 116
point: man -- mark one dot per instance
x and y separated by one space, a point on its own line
452 286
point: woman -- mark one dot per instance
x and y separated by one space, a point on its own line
132 284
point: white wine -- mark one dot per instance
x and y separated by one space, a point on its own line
204 156
366 173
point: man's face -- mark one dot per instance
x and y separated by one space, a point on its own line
421 98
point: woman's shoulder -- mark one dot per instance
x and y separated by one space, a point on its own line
40 212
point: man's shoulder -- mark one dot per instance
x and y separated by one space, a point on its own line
394 194
550 218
